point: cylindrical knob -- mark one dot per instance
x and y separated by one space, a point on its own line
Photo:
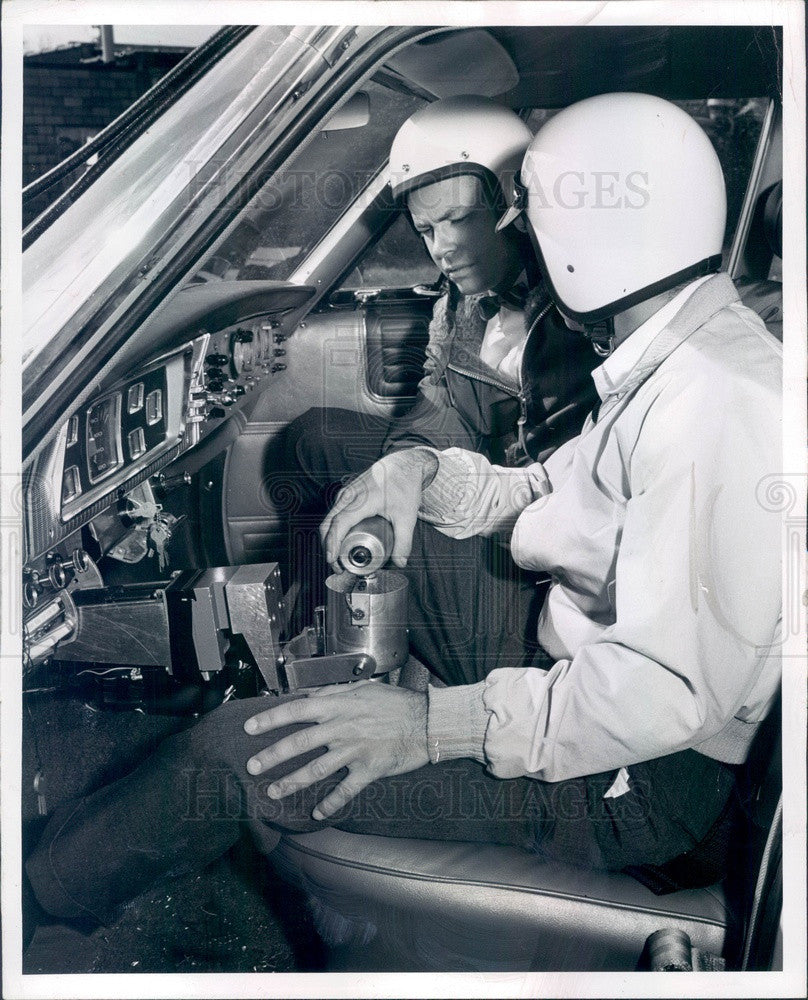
215 413
61 570
164 483
217 360
80 560
244 336
31 592
238 390
670 950
367 546
215 384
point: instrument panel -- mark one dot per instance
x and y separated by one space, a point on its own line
113 433
144 422
118 433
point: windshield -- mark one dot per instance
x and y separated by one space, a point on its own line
301 202
120 214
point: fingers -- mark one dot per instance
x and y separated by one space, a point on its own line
340 690
288 712
353 504
340 525
403 530
316 770
349 787
291 746
338 506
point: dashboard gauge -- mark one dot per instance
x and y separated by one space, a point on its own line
71 483
104 452
263 344
243 355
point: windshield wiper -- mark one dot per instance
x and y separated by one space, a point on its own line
112 140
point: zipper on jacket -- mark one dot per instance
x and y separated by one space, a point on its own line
521 423
449 390
509 389
484 378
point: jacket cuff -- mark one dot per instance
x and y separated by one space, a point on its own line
456 722
448 491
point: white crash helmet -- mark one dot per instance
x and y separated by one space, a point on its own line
625 198
456 136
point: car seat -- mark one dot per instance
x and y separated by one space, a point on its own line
383 904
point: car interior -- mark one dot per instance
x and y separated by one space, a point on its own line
154 484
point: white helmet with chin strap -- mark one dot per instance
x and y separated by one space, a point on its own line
625 198
458 136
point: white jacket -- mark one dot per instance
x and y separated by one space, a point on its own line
663 550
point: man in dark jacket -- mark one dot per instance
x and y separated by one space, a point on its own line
503 375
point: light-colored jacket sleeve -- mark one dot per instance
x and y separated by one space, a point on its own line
696 605
470 496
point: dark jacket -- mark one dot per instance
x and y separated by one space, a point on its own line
463 402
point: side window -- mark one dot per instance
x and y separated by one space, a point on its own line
397 260
734 126
298 205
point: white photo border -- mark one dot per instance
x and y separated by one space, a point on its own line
790 15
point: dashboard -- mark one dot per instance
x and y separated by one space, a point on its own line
93 490
214 349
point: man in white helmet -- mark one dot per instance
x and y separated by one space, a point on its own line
662 620
503 374
617 743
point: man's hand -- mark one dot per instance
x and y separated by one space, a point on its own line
390 487
372 729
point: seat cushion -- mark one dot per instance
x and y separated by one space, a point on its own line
428 905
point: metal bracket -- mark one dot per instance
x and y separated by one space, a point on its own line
358 602
256 611
315 671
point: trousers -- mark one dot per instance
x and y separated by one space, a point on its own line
471 610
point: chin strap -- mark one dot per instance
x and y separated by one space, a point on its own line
601 335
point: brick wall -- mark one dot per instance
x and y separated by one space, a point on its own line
65 101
